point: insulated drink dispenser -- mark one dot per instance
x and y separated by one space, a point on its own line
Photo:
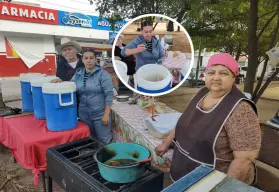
37 94
26 92
60 105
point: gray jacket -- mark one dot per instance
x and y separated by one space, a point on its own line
145 57
97 94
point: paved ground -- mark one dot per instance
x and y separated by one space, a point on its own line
272 93
177 100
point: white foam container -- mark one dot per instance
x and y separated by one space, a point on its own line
163 125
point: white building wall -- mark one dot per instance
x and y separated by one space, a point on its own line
53 30
2 44
205 58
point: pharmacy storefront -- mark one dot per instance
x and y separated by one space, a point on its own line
29 34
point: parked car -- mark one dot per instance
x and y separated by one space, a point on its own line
201 78
243 71
268 73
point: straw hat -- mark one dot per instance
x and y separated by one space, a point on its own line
68 42
121 36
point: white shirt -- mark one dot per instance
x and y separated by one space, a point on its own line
74 64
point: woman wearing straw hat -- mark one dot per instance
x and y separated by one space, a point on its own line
219 128
129 60
68 60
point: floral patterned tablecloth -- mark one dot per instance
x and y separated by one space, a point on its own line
128 126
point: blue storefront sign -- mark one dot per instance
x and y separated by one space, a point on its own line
112 36
86 21
76 20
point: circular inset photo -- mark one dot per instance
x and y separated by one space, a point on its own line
153 55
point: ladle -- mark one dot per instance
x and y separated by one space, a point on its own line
116 163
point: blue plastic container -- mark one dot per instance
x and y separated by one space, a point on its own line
60 105
37 94
116 151
26 95
167 88
26 92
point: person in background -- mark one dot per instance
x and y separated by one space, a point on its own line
219 127
146 47
275 120
176 75
130 60
68 59
95 94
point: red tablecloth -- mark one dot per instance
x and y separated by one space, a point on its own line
28 138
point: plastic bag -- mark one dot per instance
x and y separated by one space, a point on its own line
163 124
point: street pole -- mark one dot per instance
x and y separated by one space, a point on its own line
198 63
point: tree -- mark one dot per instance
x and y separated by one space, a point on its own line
127 9
238 27
223 27
229 34
252 47
268 40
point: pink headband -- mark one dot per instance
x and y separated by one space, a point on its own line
224 59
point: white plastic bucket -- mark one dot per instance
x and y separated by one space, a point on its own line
122 70
153 78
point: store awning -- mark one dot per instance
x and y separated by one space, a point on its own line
95 46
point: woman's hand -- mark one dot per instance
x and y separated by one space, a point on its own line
105 119
141 48
56 81
240 165
164 147
161 149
